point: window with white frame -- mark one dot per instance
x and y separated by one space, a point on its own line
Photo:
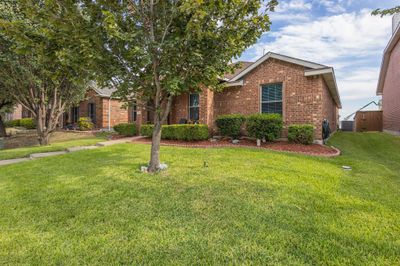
194 107
271 98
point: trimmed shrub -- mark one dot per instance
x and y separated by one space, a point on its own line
268 126
13 123
27 123
230 125
303 134
85 124
126 129
186 132
146 130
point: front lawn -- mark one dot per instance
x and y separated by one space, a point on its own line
247 207
56 145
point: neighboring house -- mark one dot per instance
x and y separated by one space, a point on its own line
102 108
302 92
16 114
19 112
389 81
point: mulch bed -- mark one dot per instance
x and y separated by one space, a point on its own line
314 149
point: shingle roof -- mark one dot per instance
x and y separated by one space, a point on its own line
104 92
242 66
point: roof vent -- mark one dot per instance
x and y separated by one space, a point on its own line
395 22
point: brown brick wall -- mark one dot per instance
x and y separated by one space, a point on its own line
17 114
391 93
180 108
302 96
306 100
329 109
92 97
119 113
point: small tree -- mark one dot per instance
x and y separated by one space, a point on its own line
42 65
159 49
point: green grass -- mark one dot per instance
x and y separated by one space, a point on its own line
56 146
248 207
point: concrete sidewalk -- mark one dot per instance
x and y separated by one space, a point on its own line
34 156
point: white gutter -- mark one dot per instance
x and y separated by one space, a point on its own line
233 84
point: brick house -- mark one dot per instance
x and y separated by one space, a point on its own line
389 81
301 91
102 108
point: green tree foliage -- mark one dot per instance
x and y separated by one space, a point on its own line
384 12
43 63
156 50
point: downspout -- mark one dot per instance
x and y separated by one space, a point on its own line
109 114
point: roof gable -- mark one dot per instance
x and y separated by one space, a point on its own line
242 65
311 69
284 58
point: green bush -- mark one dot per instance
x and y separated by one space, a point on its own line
268 126
146 130
27 123
85 124
187 132
303 134
13 123
230 125
126 129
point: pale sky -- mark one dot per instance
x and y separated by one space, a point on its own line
337 33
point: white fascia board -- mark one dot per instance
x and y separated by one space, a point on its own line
316 72
234 84
329 76
385 60
284 58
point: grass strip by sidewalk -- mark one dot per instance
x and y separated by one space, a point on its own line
57 146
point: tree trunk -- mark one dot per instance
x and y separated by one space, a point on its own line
154 164
42 132
43 138
3 132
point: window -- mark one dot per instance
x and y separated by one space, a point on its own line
194 107
74 114
134 111
271 99
92 112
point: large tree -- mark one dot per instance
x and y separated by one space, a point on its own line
42 62
159 49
